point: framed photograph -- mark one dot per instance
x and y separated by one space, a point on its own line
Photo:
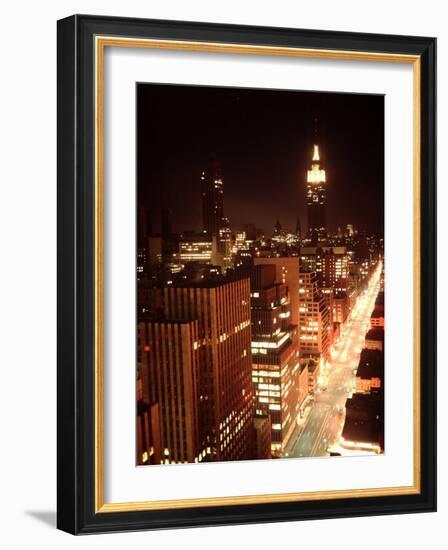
246 274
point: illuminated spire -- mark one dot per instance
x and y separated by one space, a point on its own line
316 174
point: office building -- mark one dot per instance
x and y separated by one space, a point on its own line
168 363
287 273
194 248
331 265
221 309
314 319
275 356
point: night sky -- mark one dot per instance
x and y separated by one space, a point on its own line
264 141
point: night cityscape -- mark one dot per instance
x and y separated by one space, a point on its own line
260 274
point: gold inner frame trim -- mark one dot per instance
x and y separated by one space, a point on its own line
101 42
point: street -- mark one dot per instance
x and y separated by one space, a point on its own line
324 424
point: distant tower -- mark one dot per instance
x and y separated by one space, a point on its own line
212 199
277 227
144 226
168 237
298 228
166 222
144 230
315 198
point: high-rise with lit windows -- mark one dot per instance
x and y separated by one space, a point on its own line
279 389
215 225
335 270
316 198
315 323
225 393
168 364
287 273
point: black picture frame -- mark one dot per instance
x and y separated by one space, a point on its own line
76 286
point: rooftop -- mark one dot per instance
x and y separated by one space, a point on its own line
376 333
364 421
371 364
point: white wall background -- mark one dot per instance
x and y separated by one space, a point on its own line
28 269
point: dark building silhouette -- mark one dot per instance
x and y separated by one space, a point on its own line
149 449
144 230
215 225
364 421
148 428
298 228
212 188
277 227
370 373
169 239
144 227
262 436
375 339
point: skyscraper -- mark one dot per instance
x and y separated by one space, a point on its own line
298 228
276 371
225 404
215 225
335 270
212 199
315 199
286 272
277 227
314 320
169 243
169 369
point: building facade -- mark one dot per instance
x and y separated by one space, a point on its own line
225 396
287 273
168 363
314 319
331 264
194 248
262 436
275 356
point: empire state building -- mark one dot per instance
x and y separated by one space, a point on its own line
315 199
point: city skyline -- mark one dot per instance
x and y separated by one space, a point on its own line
268 154
256 339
